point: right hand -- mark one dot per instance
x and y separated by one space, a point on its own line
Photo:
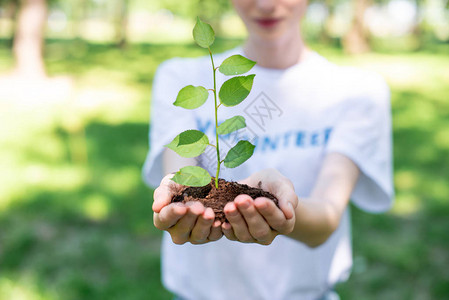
189 222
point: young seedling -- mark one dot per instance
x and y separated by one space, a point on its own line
192 143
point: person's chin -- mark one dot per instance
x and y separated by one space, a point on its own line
266 32
269 35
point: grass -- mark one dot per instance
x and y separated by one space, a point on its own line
75 217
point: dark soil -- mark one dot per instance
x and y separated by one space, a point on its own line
217 198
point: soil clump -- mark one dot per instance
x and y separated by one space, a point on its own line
215 198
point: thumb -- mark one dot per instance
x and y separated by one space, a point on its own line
163 194
252 181
161 198
290 211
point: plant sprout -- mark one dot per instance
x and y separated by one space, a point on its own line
192 143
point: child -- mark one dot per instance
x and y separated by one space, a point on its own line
322 136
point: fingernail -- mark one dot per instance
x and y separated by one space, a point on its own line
208 214
260 204
244 204
232 213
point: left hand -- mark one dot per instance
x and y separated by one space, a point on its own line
260 220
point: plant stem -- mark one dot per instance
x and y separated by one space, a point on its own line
216 120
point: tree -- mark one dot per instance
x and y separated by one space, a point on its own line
121 22
324 33
356 39
79 14
29 38
210 11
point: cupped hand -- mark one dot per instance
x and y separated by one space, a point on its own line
260 220
189 222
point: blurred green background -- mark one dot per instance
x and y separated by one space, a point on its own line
75 86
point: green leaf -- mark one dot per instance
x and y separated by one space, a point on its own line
231 125
191 97
236 89
236 65
239 154
192 176
203 34
189 143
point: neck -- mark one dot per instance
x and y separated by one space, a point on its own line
277 54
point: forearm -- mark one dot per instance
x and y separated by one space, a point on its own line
318 216
315 221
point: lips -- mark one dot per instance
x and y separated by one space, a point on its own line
267 22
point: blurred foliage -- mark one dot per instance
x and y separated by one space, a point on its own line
331 19
75 217
209 10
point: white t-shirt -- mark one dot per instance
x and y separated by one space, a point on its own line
294 117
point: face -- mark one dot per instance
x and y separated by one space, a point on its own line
270 19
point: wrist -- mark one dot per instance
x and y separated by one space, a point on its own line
315 222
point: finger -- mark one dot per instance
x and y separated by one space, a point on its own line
228 231
286 194
287 209
251 181
161 198
215 232
273 215
238 223
247 181
279 185
202 227
169 215
180 232
162 195
257 226
262 177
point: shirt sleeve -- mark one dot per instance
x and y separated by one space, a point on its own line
166 120
363 133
